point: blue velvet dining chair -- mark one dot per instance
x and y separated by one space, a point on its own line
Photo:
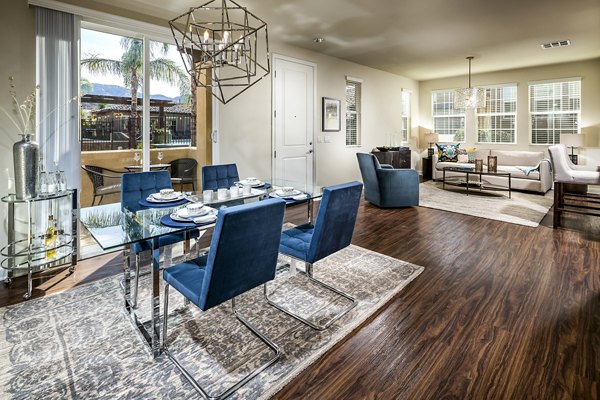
219 176
386 186
139 185
242 255
331 232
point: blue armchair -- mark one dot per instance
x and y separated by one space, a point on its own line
219 176
242 255
387 187
332 232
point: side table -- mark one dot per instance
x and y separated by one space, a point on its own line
29 253
427 168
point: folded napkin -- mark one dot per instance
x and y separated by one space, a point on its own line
205 219
302 196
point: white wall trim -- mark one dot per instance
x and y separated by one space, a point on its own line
353 79
152 31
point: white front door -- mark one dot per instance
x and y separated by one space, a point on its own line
293 121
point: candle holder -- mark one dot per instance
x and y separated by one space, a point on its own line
478 165
493 164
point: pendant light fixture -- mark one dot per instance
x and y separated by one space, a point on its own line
469 97
224 47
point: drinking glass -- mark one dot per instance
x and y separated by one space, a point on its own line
52 185
136 157
207 196
160 156
61 181
43 183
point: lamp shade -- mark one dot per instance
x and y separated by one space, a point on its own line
572 139
431 137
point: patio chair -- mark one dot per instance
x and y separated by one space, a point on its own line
242 256
98 177
183 171
331 232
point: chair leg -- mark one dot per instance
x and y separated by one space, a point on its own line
309 274
205 395
558 187
100 201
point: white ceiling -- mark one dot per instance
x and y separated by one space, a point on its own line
422 39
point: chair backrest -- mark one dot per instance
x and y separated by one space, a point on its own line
183 168
139 185
335 220
93 173
368 165
561 170
219 176
243 252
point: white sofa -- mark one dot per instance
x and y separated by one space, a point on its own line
539 180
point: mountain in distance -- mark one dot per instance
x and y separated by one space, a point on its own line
101 89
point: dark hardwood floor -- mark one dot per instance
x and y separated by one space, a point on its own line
501 311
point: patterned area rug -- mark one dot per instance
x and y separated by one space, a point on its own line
522 209
80 344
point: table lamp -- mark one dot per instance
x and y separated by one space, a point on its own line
431 138
572 140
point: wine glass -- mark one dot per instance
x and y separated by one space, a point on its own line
160 156
136 157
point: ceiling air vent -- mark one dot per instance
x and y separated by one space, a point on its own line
559 43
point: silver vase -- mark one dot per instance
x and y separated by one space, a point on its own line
25 156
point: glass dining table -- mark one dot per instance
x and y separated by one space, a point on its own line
114 228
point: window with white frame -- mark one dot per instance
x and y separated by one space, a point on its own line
554 108
496 122
405 129
448 122
353 107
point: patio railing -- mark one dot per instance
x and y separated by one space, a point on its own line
113 133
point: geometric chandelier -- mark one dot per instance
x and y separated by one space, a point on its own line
469 97
224 47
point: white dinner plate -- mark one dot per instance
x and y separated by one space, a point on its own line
211 213
281 193
255 184
160 197
184 212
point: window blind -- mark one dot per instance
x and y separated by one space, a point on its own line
554 108
404 131
496 122
448 122
353 107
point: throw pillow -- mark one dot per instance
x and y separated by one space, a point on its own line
463 158
448 152
472 153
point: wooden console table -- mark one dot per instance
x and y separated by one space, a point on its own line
396 158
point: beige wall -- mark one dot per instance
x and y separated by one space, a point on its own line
245 123
589 71
17 42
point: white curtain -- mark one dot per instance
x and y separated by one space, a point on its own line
57 69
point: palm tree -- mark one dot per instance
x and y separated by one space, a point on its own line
130 68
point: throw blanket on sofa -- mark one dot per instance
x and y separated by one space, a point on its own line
528 170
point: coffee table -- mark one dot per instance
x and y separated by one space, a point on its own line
479 183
